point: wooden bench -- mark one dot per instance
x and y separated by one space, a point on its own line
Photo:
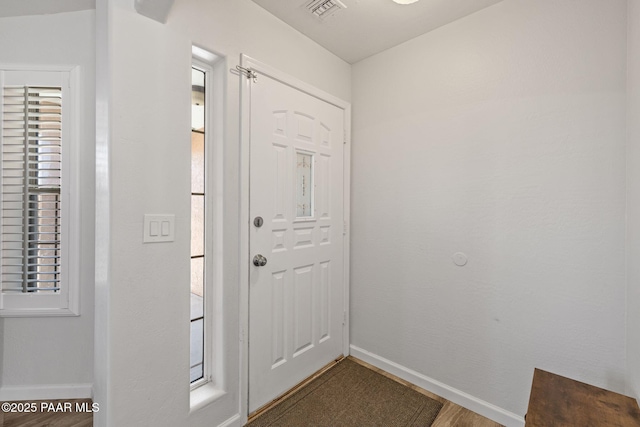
560 401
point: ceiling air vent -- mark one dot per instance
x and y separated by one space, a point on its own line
324 8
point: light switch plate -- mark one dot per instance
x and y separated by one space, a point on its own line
159 228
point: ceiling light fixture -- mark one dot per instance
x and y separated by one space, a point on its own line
405 1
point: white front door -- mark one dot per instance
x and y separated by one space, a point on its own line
296 299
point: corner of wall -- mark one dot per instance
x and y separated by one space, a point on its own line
452 394
633 201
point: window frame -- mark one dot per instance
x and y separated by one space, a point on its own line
67 301
212 386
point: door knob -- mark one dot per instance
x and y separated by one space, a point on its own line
259 261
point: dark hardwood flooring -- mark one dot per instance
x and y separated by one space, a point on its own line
49 416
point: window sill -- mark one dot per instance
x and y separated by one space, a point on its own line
34 312
203 396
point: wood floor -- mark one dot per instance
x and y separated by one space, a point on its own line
451 415
48 417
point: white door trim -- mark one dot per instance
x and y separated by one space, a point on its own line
245 137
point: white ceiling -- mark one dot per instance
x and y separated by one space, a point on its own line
364 28
367 27
42 7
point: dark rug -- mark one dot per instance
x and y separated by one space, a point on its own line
351 395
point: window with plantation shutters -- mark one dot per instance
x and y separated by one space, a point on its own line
35 195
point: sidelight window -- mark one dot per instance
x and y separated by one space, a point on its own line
198 226
206 250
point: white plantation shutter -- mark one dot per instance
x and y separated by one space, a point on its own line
31 209
34 199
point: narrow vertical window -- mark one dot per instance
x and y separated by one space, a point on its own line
37 220
32 153
206 251
198 114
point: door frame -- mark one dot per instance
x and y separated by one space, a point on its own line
260 69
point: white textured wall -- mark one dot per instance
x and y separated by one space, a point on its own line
501 135
56 352
148 318
633 202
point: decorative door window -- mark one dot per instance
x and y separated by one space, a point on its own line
304 185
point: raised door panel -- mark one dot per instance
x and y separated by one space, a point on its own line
296 180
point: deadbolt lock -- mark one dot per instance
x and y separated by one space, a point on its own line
258 221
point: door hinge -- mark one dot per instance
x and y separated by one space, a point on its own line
344 228
344 318
344 136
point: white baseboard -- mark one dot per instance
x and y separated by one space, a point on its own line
458 397
234 421
46 392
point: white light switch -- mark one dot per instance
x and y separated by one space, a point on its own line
166 228
153 228
159 228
